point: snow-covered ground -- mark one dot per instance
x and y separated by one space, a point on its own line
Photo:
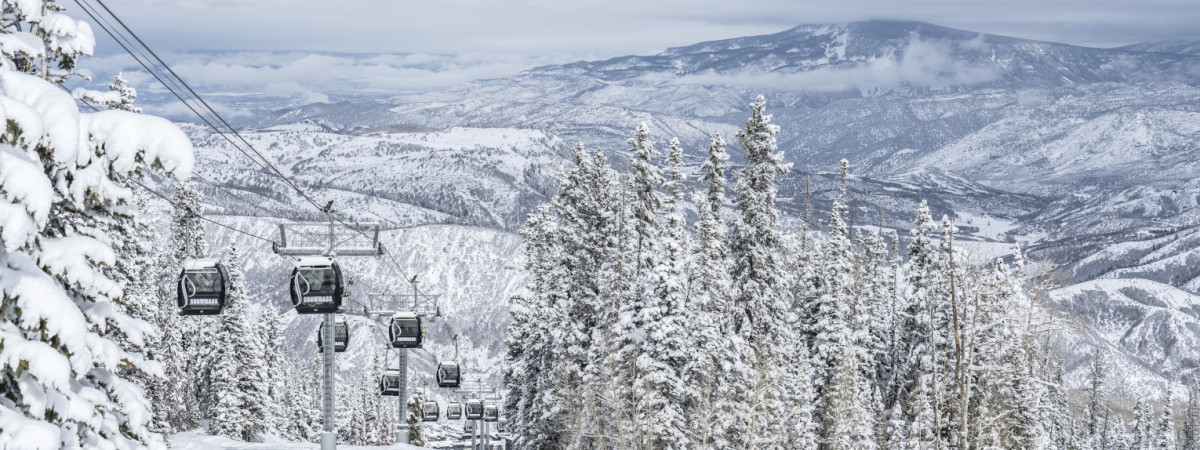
201 441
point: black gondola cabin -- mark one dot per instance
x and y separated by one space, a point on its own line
448 375
201 288
491 413
317 286
341 336
407 330
454 411
389 383
474 409
430 412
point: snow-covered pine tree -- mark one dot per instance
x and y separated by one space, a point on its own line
416 433
559 319
126 95
570 306
120 96
1141 426
235 363
1191 418
348 412
378 429
916 339
763 313
184 344
602 416
877 281
1057 415
645 178
841 331
1096 402
136 245
62 374
916 336
1118 433
301 422
53 44
718 373
834 332
1164 430
665 351
271 340
950 336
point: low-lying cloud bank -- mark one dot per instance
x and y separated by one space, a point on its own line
920 64
239 79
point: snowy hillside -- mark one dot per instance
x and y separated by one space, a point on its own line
1018 115
1148 327
1176 47
1086 156
490 177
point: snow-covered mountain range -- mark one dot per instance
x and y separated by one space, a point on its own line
1087 156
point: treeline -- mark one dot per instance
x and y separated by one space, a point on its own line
637 330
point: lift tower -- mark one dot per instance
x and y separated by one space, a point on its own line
329 239
384 306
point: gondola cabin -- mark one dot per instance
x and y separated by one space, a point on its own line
448 375
469 427
389 383
454 411
341 335
474 409
430 412
317 286
502 425
407 330
201 288
491 413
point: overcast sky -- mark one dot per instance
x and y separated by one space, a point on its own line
577 29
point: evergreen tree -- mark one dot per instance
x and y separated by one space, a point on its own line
916 338
63 39
120 96
126 95
665 351
1191 418
416 433
718 372
183 347
637 302
1141 426
1096 402
273 366
762 313
301 422
66 375
235 383
135 270
848 413
1165 430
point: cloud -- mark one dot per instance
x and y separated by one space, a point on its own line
177 110
922 64
307 77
